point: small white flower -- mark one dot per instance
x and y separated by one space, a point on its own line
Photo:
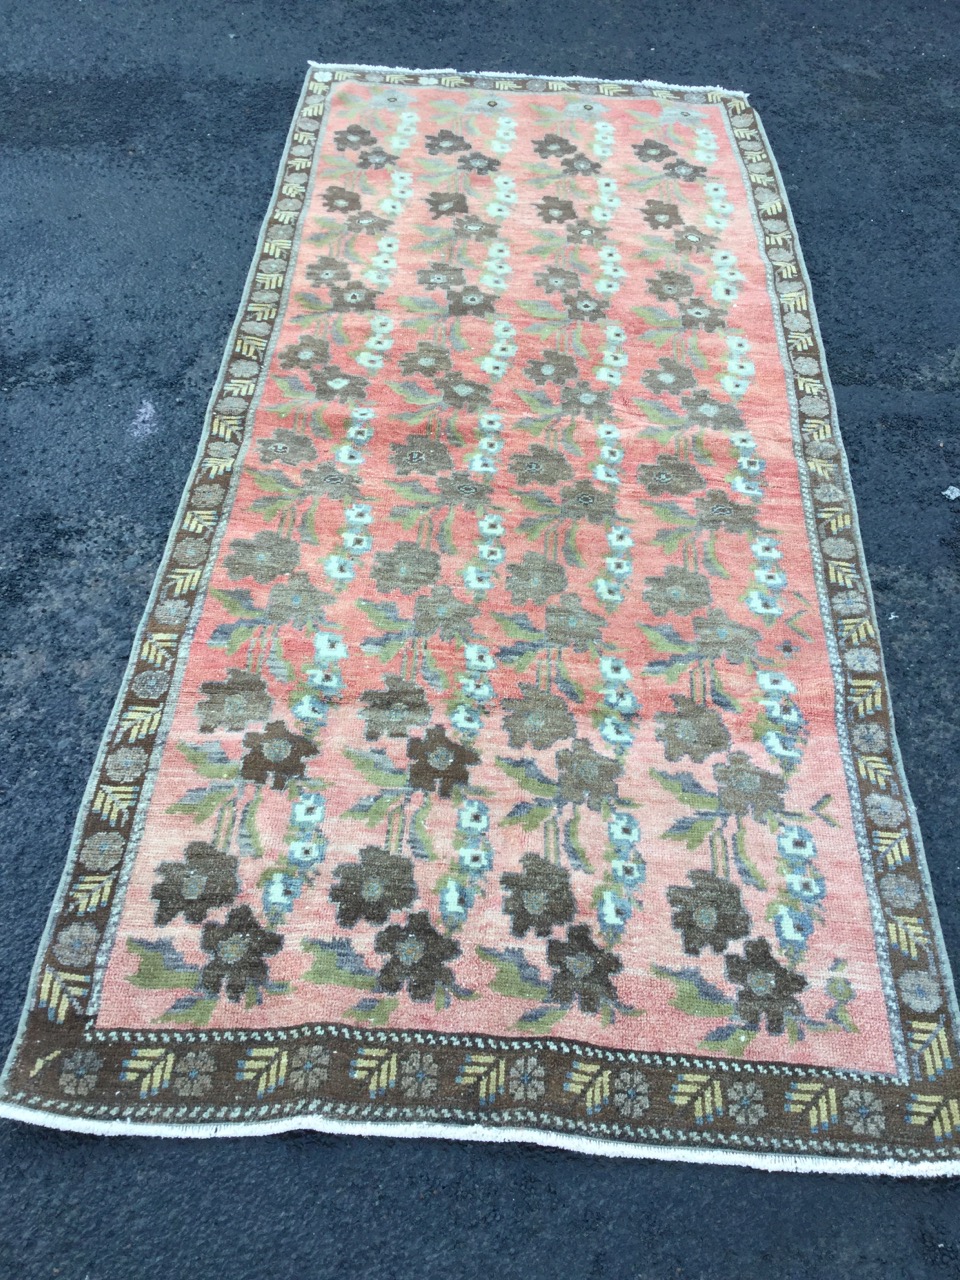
349 456
737 344
503 329
504 350
500 146
605 474
497 210
382 324
607 185
491 552
369 360
495 368
380 278
608 253
607 431
490 444
603 285
610 453
723 291
498 250
391 207
388 244
480 464
605 374
490 422
379 343
741 368
775 682
499 270
384 262
619 538
599 214
734 386
723 208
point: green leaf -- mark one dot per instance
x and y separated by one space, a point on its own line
379 1015
517 629
533 785
376 768
203 803
663 643
693 835
509 979
198 1014
688 999
541 1025
206 767
161 967
530 820
385 617
239 604
543 311
413 393
426 306
570 552
539 402
372 813
686 788
326 972
653 315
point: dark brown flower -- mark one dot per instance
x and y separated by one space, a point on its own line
375 158
557 280
239 948
586 401
582 970
585 233
677 591
292 448
540 466
461 393
204 881
470 301
671 377
327 482
697 314
718 636
704 411
552 146
439 276
234 702
537 717
306 353
743 788
392 712
690 730
417 957
439 763
767 988
442 612
693 240
444 204
716 511
568 624
352 297
584 306
579 164
275 756
352 137
373 887
477 162
710 914
684 170
583 501
295 602
538 898
586 777
661 216
445 143
474 228
406 568
652 150
535 578
429 359
332 383
420 455
326 270
368 223
670 475
461 490
553 367
669 286
552 209
340 200
266 556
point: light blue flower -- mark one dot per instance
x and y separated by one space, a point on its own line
310 710
742 440
615 670
475 579
611 453
621 700
766 549
453 903
327 679
473 816
808 886
775 682
795 844
615 732
363 413
490 444
763 604
618 566
607 592
359 513
491 527
623 829
605 474
490 422
781 748
749 488
477 859
358 543
629 872
466 719
793 928
491 552
306 854
481 464
359 434
329 647
607 432
478 658
309 810
339 568
613 912
772 579
479 690
619 538
280 892
751 464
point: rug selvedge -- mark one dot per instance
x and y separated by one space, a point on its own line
65 1064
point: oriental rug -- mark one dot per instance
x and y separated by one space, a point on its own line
506 751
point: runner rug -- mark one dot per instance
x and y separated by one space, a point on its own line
506 750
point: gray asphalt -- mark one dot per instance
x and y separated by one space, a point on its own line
139 144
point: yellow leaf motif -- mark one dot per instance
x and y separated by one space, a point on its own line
265 1067
875 770
818 1101
591 1082
159 646
866 696
91 892
114 803
908 934
140 722
60 992
700 1090
942 1114
839 571
487 1072
837 518
856 630
893 846
150 1068
378 1067
928 1043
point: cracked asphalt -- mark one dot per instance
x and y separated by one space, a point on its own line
139 146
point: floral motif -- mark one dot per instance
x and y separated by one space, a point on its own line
537 718
372 888
438 763
239 949
538 898
276 755
417 957
392 712
691 730
768 990
205 880
710 914
582 971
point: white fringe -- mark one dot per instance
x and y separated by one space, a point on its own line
526 75
769 1163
